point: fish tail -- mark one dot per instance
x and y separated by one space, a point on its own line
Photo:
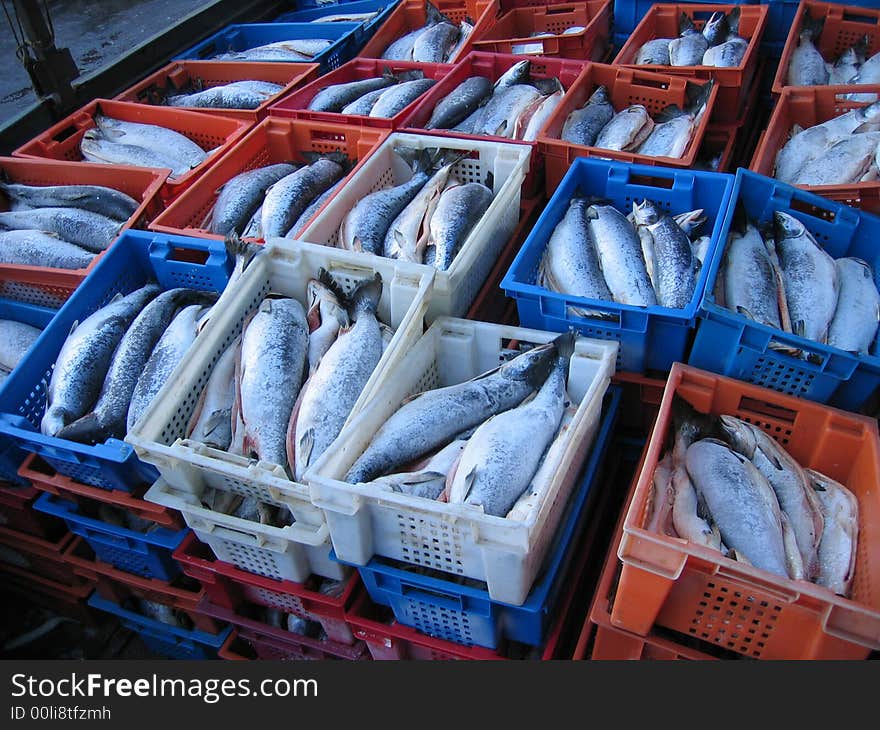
565 344
685 24
326 278
366 297
698 96
812 27
86 430
733 19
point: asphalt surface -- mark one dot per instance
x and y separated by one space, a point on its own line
95 33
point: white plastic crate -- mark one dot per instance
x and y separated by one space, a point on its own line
365 521
454 289
190 466
284 553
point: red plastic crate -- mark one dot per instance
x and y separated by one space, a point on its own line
625 86
515 26
411 14
697 592
180 74
294 105
68 600
118 586
51 287
808 106
45 479
37 555
235 649
662 21
17 513
844 25
61 141
272 141
229 587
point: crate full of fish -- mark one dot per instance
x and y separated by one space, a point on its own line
791 299
461 610
422 204
626 268
327 44
107 352
629 13
370 14
310 161
823 140
753 524
181 142
497 519
561 30
720 42
365 91
39 556
58 218
160 635
323 600
425 32
238 90
630 115
127 542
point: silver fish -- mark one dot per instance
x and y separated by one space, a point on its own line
309 213
95 147
466 30
436 43
535 120
16 339
674 128
92 231
626 130
38 248
674 277
291 50
582 126
848 63
846 161
363 104
154 137
254 227
729 54
242 195
654 53
717 28
458 210
807 67
228 96
326 316
750 282
857 314
397 98
336 97
288 198
869 73
346 17
689 47
499 114
429 481
839 545
94 198
401 49
460 103
211 421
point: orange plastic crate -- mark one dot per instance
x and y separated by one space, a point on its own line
68 600
844 26
662 21
51 287
514 27
808 106
273 140
697 592
181 74
61 141
39 556
625 86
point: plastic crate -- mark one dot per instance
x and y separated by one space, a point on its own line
442 608
37 555
453 538
62 140
720 141
651 338
492 66
515 27
697 592
453 289
163 639
235 648
228 587
17 513
310 11
136 257
271 642
135 552
641 400
242 37
629 13
409 15
625 86
181 74
295 104
51 287
272 141
55 597
783 16
118 586
662 21
808 106
732 345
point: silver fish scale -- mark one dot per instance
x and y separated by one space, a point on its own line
92 231
625 129
844 162
307 214
95 198
584 125
219 97
16 339
286 200
654 53
398 97
242 195
213 422
729 54
154 137
674 269
105 151
335 97
402 48
688 50
807 67
35 248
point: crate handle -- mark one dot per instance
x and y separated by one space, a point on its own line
764 409
164 249
559 9
859 18
649 83
817 359
834 214
425 595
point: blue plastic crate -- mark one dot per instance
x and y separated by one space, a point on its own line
244 36
651 338
11 455
148 555
134 258
729 344
780 19
629 13
169 641
311 11
447 610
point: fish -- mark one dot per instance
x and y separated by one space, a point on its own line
39 248
429 481
498 116
95 147
674 272
674 128
869 73
620 254
159 612
729 54
459 209
807 67
809 277
466 30
288 198
346 17
846 65
254 227
16 338
168 353
333 389
689 47
501 458
460 103
539 114
85 356
335 97
430 420
849 160
290 50
654 53
626 130
857 314
363 104
717 28
269 375
436 43
226 96
839 544
401 49
519 73
582 126
326 316
211 421
91 231
397 98
242 195
751 284
98 199
152 136
299 227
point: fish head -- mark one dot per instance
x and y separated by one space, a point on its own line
787 226
645 213
532 366
325 300
739 435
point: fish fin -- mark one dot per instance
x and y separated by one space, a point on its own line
357 244
501 129
306 444
236 248
685 23
326 278
85 430
668 113
865 127
388 74
414 396
697 96
215 420
73 327
564 344
733 18
424 477
745 312
469 480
